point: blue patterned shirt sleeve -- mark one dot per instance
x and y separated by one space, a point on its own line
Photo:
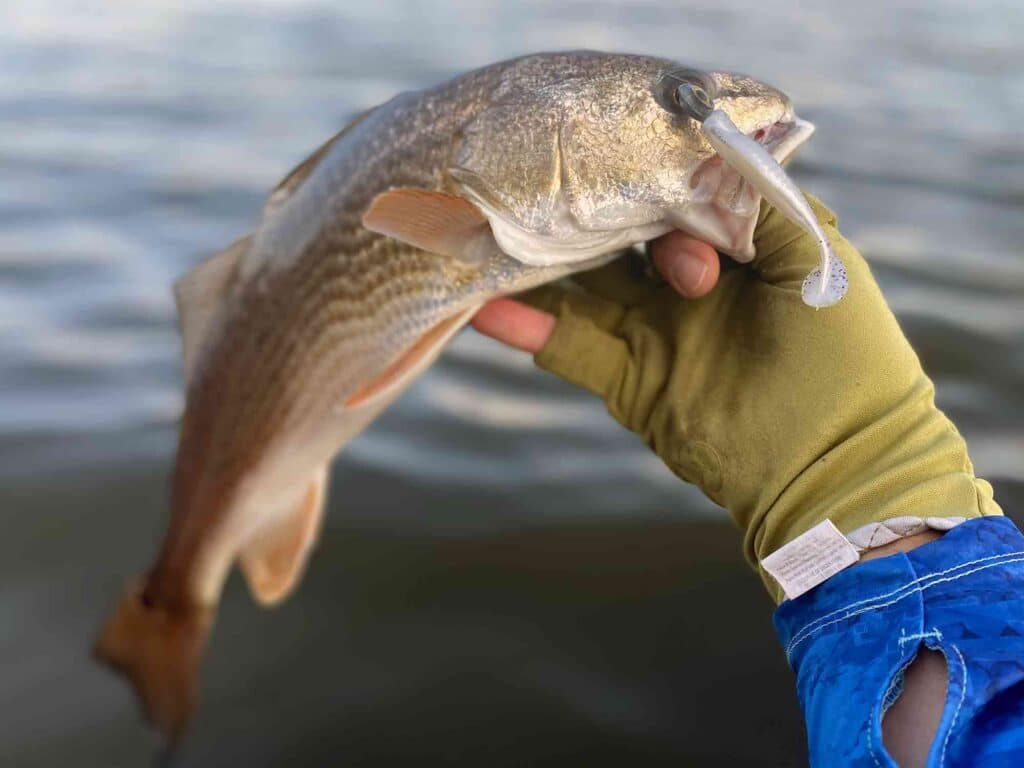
849 640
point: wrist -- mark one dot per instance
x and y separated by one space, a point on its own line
905 474
901 545
823 551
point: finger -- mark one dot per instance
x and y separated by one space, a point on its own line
571 346
586 355
560 298
547 298
690 266
587 347
514 323
621 282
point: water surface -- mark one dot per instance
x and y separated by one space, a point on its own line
506 577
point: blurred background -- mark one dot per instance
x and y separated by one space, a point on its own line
505 578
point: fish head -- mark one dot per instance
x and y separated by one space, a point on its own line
581 154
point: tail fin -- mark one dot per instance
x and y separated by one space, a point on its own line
159 650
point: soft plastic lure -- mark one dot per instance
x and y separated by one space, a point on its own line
825 285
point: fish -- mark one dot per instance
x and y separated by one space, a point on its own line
367 259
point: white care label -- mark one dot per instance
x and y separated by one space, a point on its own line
810 558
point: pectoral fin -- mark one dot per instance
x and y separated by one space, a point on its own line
432 221
274 560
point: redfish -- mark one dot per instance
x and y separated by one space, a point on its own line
368 258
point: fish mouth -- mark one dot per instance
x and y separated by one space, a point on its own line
724 207
783 137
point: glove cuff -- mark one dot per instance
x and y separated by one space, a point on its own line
910 462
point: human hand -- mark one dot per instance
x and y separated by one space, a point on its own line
689 265
782 414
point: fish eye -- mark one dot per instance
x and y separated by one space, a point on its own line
687 92
696 91
693 100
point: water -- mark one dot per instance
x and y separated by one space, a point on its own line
506 577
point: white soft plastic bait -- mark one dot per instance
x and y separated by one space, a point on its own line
827 284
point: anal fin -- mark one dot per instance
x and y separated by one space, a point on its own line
275 558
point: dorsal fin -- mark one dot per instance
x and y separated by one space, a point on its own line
199 295
287 186
274 560
437 222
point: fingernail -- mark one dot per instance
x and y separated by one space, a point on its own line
688 273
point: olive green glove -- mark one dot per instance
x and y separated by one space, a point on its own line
783 414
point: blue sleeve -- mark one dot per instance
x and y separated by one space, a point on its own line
849 640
